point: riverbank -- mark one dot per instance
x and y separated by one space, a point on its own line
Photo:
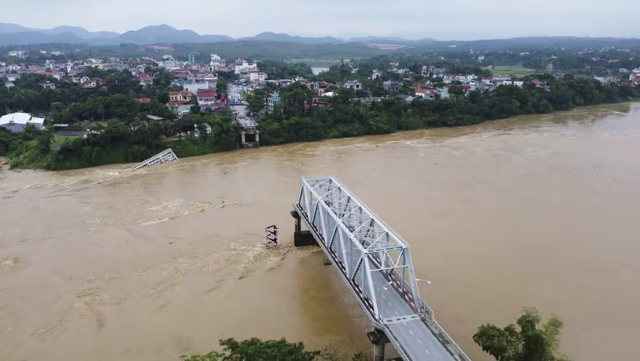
290 124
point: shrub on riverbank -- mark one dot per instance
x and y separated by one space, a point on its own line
117 142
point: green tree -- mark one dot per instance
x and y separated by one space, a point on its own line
530 343
257 350
163 97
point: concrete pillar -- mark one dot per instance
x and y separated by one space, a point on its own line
242 141
257 136
379 340
378 352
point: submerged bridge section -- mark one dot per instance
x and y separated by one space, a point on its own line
376 266
165 156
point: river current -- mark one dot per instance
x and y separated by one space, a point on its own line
534 211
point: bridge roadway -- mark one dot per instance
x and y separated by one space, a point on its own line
384 292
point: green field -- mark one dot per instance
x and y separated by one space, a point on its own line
516 70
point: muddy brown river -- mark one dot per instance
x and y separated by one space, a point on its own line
106 264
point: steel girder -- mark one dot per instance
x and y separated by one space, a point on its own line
360 243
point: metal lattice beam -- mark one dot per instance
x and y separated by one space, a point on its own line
376 264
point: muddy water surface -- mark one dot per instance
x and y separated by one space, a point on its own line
106 264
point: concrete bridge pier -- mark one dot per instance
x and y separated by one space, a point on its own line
302 238
379 340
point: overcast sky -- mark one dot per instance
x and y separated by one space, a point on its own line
439 19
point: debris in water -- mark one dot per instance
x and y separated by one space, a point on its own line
223 203
7 263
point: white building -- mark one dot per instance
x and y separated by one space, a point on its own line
17 122
194 87
242 66
257 76
353 84
18 53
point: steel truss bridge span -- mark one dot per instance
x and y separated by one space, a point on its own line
375 264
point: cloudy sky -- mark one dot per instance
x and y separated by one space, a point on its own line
439 19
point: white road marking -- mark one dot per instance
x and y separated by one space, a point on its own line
427 351
389 303
383 296
418 341
411 331
396 312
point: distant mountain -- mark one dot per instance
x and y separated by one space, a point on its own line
82 33
167 34
12 28
34 37
380 40
14 34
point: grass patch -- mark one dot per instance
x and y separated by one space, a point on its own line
64 138
516 70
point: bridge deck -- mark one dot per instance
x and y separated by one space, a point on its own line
378 273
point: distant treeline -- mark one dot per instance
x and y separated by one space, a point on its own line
292 121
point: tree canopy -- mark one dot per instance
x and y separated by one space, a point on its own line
527 342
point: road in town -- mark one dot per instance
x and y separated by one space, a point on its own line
109 264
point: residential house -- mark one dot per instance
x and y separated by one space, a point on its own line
143 100
352 84
550 67
421 93
377 74
406 97
439 72
242 66
257 76
179 97
206 96
17 122
93 83
145 80
391 86
45 84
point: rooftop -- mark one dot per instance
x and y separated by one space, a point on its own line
20 118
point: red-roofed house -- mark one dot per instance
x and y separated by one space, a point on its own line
93 83
143 100
421 92
206 96
145 80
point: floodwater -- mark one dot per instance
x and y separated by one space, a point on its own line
106 264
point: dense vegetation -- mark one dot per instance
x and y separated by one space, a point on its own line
69 103
118 142
292 121
260 350
530 343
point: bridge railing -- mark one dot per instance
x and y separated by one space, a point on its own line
360 242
